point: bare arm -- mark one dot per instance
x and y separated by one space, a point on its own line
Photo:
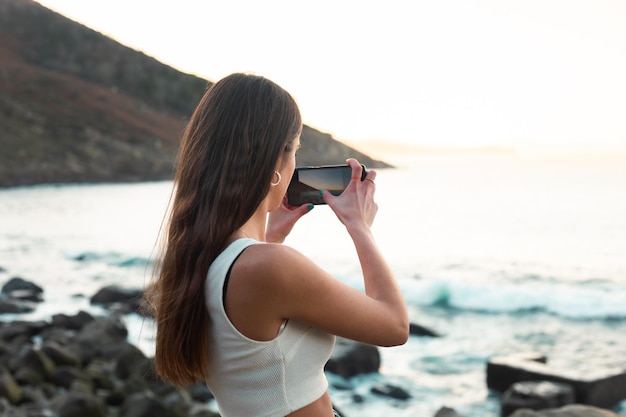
272 282
356 209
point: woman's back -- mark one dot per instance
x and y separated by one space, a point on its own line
261 378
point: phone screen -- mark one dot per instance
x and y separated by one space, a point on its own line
307 182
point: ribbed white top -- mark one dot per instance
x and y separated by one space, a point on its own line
261 378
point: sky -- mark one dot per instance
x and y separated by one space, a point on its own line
536 76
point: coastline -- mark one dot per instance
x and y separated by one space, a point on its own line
86 362
493 264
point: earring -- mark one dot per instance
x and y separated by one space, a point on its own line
274 184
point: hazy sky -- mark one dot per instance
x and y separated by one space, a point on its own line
535 75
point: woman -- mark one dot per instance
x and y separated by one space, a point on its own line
234 307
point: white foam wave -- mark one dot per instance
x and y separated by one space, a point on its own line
581 301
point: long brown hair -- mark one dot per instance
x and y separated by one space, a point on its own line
229 151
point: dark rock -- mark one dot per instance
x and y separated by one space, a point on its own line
417 330
9 388
75 322
9 306
99 371
162 388
8 331
602 388
101 337
338 411
145 405
76 404
115 295
57 335
16 344
47 370
60 355
343 385
82 386
536 395
351 358
28 376
32 358
202 412
64 376
200 393
447 412
35 401
135 385
131 360
20 296
391 391
26 295
178 401
35 327
576 410
7 410
358 399
17 283
115 398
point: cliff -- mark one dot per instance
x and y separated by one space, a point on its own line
77 106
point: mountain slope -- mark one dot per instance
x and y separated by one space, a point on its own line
77 106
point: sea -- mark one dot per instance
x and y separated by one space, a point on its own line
498 254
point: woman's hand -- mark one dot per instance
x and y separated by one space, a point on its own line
281 221
355 206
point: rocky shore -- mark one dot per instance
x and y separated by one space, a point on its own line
83 366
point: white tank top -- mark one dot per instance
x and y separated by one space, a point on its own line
261 378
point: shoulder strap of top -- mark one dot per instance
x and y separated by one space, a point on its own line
230 268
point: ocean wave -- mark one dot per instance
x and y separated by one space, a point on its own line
111 259
581 301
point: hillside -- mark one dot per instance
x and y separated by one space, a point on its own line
77 106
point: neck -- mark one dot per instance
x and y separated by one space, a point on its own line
254 228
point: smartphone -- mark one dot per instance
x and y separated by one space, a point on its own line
307 181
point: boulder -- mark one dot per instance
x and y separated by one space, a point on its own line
60 355
536 395
124 300
75 322
9 331
34 359
102 336
350 358
338 412
202 412
391 391
99 372
575 410
88 370
447 412
418 330
11 306
603 388
200 392
20 284
9 388
131 360
145 405
65 376
79 404
26 295
8 410
20 296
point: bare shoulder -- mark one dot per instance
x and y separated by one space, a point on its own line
268 274
273 261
